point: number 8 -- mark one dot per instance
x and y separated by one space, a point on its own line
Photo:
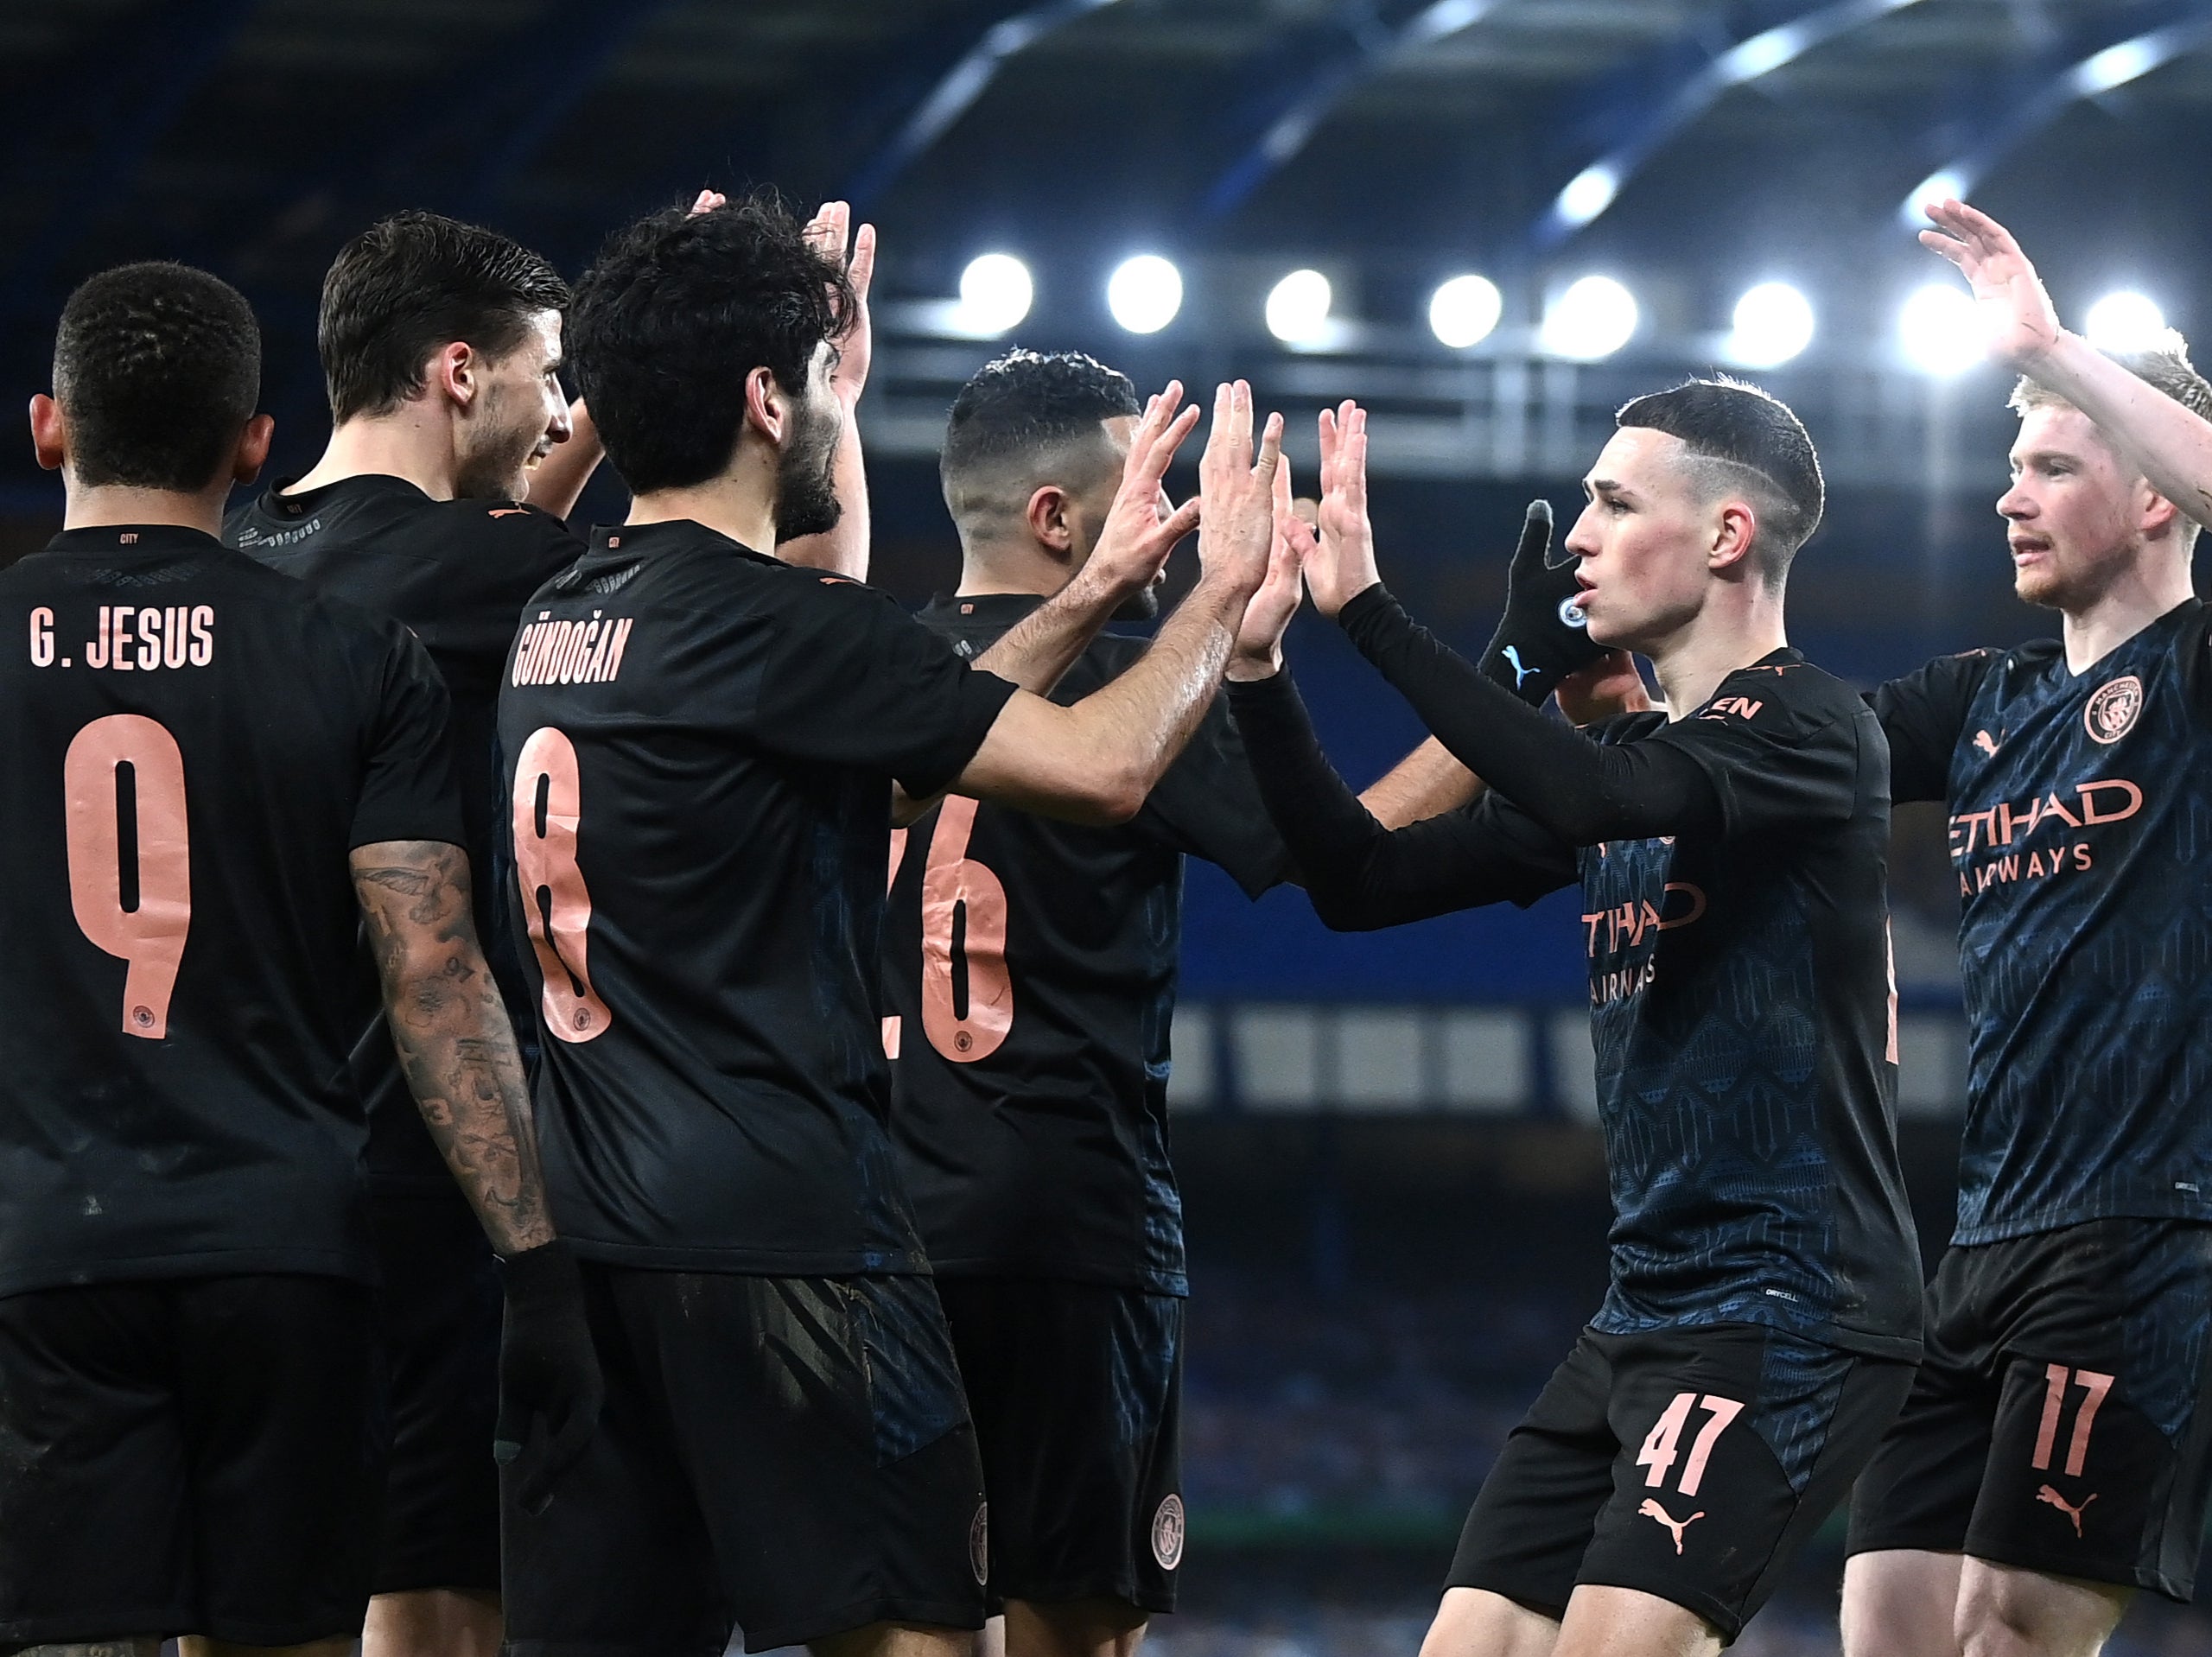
149 932
553 895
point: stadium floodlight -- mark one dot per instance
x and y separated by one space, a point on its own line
1939 331
1463 311
995 293
2125 321
1588 193
1144 293
1297 308
1773 323
1594 318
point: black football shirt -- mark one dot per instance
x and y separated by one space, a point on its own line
704 741
192 744
1743 1013
457 573
2080 833
1029 972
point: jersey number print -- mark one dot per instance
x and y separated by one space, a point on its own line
546 806
130 857
1660 1445
967 996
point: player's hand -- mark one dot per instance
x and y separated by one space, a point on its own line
707 201
551 1389
2021 322
1604 688
1342 563
831 232
1236 487
1143 525
1257 653
1542 636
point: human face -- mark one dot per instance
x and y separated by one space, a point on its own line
520 413
2074 513
1645 539
1095 502
806 482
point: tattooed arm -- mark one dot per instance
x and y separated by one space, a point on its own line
454 1043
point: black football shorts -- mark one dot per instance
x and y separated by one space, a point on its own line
788 1457
2060 1422
1075 1390
1689 1464
438 1311
188 1455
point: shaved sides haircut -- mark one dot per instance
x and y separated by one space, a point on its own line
1747 443
1025 420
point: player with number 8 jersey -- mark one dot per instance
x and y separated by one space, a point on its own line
705 741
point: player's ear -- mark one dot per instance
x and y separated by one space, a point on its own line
455 371
2156 514
49 433
767 409
253 448
1738 526
1050 517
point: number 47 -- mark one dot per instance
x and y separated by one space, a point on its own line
1659 1445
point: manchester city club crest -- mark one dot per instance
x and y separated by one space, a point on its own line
1168 1533
2111 712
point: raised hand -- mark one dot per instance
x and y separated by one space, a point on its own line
831 232
1237 486
1541 638
1142 526
2021 322
1257 653
1342 564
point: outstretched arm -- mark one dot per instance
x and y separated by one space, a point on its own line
1359 873
1095 761
844 549
2171 446
452 1034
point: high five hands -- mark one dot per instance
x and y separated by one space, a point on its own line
1258 651
1237 527
830 232
1143 525
1339 562
2021 323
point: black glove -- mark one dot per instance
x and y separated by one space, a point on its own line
550 1386
1540 640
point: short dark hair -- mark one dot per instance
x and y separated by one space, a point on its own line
1023 409
677 312
157 367
2164 366
412 283
1743 439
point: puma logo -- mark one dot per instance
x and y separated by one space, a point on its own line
1651 1509
1986 742
1512 654
2051 1496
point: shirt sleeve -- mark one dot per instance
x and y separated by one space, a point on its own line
1360 875
1209 805
1924 715
1581 791
855 681
408 785
1777 761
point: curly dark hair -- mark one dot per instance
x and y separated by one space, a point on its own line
678 311
157 367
